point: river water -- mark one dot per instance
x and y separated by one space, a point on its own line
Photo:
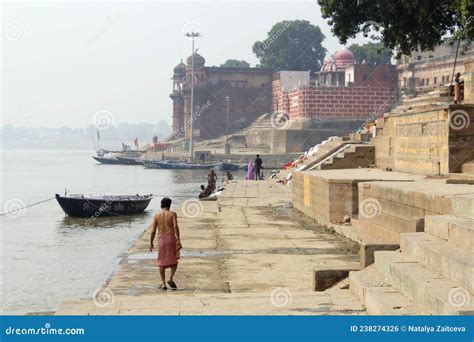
47 257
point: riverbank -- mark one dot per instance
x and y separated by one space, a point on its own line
247 253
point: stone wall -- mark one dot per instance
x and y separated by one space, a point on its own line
249 89
427 140
301 137
328 196
335 102
321 199
388 209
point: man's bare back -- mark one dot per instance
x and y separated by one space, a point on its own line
166 221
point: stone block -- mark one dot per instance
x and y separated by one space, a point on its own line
367 252
326 278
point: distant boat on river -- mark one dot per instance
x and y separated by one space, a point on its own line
161 164
107 160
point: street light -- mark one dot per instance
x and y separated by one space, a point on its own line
227 100
192 35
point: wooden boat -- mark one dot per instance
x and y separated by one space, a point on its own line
107 160
151 164
129 161
78 205
222 166
183 165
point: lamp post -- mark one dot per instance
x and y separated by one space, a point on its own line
227 100
192 35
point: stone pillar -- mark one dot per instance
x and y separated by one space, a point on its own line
468 82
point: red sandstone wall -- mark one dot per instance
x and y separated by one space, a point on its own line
349 102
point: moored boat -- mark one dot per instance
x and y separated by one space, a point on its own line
222 166
107 160
183 165
78 205
151 164
129 161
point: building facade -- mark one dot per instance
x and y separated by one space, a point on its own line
246 92
424 71
341 90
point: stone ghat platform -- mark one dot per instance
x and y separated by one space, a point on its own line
418 233
388 209
329 196
248 253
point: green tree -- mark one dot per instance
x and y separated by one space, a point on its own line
291 45
234 63
371 53
406 25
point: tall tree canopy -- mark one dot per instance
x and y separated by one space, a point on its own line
234 63
371 53
291 45
407 24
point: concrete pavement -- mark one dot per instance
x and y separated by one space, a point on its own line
249 253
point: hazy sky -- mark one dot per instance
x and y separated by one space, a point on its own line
63 62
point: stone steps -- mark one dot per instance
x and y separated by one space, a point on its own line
325 147
437 254
435 294
349 156
468 168
459 231
378 296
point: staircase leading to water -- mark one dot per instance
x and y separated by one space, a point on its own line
431 273
348 156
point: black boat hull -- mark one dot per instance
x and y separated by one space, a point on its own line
105 160
184 166
227 166
91 207
150 164
129 161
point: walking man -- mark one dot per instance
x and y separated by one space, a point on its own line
169 244
258 167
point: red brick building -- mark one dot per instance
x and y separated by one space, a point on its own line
341 90
249 90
